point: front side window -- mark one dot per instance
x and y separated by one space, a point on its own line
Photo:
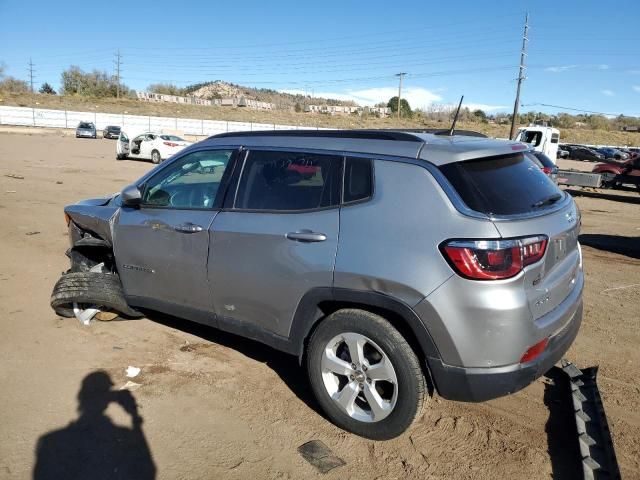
192 182
289 181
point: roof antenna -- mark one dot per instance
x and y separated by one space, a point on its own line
455 118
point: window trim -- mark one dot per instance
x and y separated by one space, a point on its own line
222 189
372 189
235 186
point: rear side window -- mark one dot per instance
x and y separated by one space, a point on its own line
358 179
505 185
289 181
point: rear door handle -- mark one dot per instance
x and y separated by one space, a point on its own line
188 228
306 236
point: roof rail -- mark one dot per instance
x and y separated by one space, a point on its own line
445 131
396 135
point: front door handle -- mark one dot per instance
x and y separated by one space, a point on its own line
188 228
306 236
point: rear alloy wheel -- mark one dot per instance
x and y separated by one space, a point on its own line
155 157
365 375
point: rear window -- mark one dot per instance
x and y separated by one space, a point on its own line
540 159
505 185
172 138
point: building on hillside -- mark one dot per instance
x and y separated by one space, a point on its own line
243 102
193 100
162 97
347 110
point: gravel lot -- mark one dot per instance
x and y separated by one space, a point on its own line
217 406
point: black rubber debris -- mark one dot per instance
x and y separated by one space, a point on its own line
594 438
320 456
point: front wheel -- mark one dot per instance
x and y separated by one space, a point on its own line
155 157
365 375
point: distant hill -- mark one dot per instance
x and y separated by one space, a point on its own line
220 89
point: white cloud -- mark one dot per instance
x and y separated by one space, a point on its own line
634 72
483 106
636 88
607 92
602 66
560 68
417 97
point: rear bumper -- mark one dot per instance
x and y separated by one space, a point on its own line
480 384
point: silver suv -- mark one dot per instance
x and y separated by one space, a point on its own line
390 263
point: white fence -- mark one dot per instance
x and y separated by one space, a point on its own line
39 117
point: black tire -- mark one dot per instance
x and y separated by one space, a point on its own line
155 157
608 180
119 156
411 381
92 288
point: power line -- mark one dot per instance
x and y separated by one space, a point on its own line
521 77
570 108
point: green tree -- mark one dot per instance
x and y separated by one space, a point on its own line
480 115
166 89
47 89
405 109
297 107
95 84
13 85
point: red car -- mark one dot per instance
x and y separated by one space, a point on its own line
618 173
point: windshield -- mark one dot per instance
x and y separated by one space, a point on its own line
171 138
85 125
504 185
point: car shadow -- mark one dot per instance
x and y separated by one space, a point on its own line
562 436
92 446
606 196
629 246
284 365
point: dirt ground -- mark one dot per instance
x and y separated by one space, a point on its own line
212 405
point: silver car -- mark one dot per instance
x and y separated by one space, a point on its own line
390 263
86 130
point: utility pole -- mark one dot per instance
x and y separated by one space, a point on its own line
521 77
401 74
31 74
118 62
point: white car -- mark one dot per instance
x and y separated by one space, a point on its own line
153 146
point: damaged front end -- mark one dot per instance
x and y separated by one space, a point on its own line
91 287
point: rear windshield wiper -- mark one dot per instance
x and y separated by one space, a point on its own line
547 200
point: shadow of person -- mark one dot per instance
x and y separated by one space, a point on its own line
92 447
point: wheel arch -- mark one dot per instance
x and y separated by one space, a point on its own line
318 303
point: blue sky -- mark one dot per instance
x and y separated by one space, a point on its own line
582 54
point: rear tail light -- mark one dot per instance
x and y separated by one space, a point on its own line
170 144
534 352
493 259
547 170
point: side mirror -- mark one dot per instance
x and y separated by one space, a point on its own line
131 196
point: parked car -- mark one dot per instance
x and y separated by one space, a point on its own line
616 174
613 153
562 153
545 164
86 130
112 131
584 153
387 262
153 146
